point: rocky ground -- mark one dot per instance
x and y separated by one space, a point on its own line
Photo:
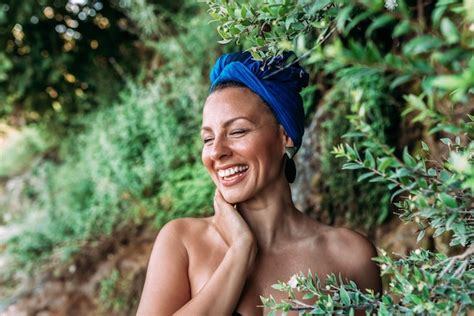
79 288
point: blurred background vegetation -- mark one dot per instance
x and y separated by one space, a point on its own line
100 105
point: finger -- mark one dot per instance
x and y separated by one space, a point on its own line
219 202
220 199
218 195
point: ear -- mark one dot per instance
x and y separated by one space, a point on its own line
286 140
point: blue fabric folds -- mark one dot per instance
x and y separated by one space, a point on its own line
277 81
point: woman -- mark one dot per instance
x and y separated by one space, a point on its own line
221 265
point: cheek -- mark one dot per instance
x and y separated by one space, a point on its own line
205 158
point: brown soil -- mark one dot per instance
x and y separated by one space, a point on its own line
76 289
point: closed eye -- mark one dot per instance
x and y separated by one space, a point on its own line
238 132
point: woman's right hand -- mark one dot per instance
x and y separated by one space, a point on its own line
231 225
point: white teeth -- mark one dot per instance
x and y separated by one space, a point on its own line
230 171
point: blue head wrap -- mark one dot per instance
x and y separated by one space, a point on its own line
276 81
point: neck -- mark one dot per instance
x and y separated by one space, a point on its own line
270 215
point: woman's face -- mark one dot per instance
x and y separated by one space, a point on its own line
243 144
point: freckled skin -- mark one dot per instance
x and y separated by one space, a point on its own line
222 263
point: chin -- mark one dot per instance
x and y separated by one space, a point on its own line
234 197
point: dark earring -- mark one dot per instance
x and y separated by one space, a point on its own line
290 167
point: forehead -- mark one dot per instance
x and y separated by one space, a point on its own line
232 102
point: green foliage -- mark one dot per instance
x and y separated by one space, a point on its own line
42 42
107 296
426 60
20 148
134 161
116 293
438 197
427 283
368 202
116 170
270 25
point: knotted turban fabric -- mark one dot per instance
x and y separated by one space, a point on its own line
277 81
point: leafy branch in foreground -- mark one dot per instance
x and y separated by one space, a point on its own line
422 282
270 27
438 196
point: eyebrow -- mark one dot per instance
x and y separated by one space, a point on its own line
228 122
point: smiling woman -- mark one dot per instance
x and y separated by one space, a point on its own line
221 265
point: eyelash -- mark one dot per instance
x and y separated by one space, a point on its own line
238 131
234 132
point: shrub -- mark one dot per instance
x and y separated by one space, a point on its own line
426 54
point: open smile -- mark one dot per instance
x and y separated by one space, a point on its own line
233 175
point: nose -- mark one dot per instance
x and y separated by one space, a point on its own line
220 149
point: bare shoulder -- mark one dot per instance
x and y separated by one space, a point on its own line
350 244
335 241
184 229
168 264
353 253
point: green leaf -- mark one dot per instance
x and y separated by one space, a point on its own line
460 230
424 146
446 141
448 82
401 172
377 179
408 159
400 80
469 10
422 44
369 159
422 183
383 214
342 17
379 22
365 176
439 231
444 176
449 31
356 20
438 14
397 193
450 221
415 299
260 41
391 186
401 29
466 299
385 162
448 200
432 172
352 166
278 287
243 11
387 300
346 300
225 41
421 234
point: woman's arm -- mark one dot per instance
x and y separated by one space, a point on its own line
167 288
221 293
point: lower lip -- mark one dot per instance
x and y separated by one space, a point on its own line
234 180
